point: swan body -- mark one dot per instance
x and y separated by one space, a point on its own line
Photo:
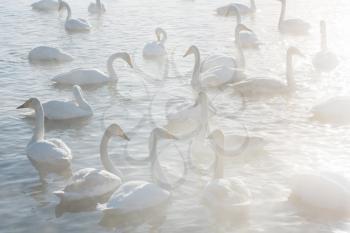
97 8
267 86
44 54
136 196
236 145
45 5
333 110
66 110
216 76
325 60
156 49
242 9
193 115
225 194
326 193
46 155
91 183
247 39
90 77
216 60
292 26
74 25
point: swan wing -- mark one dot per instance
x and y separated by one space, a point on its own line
90 183
135 196
260 86
82 77
217 60
51 152
154 49
63 110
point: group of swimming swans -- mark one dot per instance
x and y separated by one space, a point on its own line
54 156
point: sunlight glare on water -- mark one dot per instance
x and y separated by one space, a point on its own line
295 143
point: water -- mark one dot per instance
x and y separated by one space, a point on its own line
296 144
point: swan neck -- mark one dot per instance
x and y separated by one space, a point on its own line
283 12
98 4
204 110
289 72
238 17
195 82
82 103
110 68
69 11
241 58
164 38
39 129
105 160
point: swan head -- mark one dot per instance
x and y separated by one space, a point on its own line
127 58
159 31
116 130
60 5
191 50
294 51
30 103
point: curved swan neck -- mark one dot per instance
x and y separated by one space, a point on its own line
238 15
289 72
69 11
79 98
110 69
323 37
39 129
252 5
164 38
283 12
195 82
105 160
98 4
241 59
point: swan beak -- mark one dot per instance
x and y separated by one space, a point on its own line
125 137
25 105
128 60
189 51
158 37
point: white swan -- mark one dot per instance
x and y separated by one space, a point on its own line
43 54
333 110
88 77
45 5
74 25
291 26
137 196
228 195
191 116
268 86
326 194
68 110
243 9
214 61
236 145
92 183
97 8
156 49
325 60
46 155
247 39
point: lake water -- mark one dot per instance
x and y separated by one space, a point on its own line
295 143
